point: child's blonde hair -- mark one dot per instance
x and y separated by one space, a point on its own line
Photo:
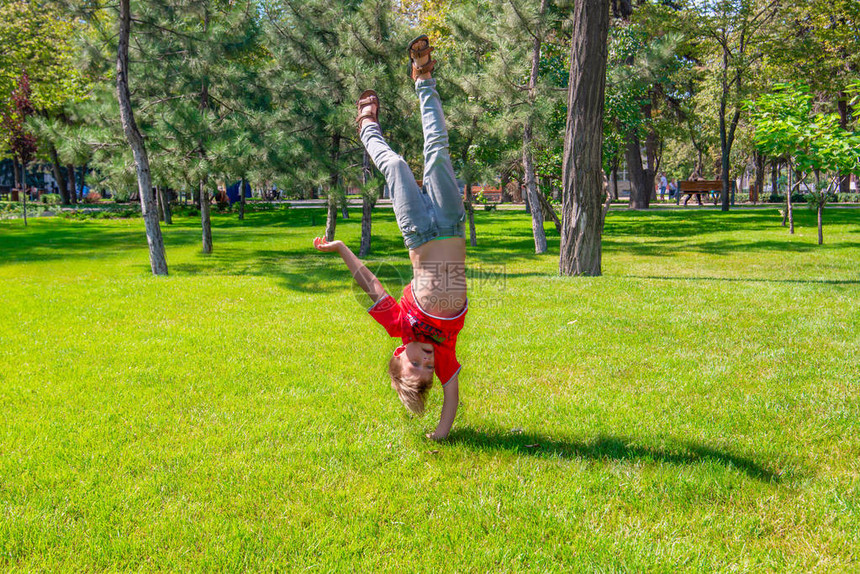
411 390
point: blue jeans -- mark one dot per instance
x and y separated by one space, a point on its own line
436 209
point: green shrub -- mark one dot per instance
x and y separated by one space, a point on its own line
847 198
780 198
51 199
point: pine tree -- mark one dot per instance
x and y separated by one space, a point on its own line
157 260
327 54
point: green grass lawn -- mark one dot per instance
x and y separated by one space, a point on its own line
695 408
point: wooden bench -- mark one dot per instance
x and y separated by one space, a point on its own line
712 188
491 194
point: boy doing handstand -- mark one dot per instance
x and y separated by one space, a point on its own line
431 312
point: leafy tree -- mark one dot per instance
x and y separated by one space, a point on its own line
732 31
641 87
20 140
38 37
786 126
817 43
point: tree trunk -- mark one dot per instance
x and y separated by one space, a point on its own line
59 176
505 178
759 178
73 185
331 216
528 163
26 191
157 260
548 212
641 182
205 217
470 210
518 191
165 203
789 209
724 176
16 172
727 131
366 219
366 208
820 230
615 180
583 192
159 203
532 192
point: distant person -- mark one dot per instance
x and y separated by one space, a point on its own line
664 183
673 188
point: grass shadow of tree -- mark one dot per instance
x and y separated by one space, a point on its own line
608 448
748 280
60 239
305 271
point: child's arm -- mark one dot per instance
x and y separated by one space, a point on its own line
362 275
450 402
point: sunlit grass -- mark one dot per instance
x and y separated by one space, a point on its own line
695 408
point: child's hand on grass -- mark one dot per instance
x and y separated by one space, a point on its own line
327 246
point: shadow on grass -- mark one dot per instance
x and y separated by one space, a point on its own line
686 224
607 448
57 239
749 280
305 271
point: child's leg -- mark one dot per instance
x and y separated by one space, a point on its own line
411 207
439 180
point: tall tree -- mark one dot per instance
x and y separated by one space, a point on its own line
537 31
645 69
157 260
336 49
202 65
817 43
584 191
734 30
39 37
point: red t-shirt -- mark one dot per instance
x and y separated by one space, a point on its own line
407 320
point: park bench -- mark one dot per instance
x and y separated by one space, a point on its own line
491 194
712 188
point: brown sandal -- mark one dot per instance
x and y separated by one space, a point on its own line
419 48
368 98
